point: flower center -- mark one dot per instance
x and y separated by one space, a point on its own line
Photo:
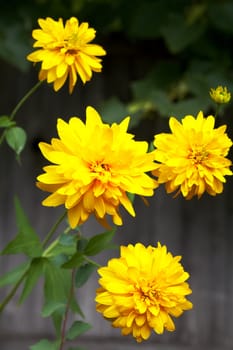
101 170
146 296
148 293
197 154
70 45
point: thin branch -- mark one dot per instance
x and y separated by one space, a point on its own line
63 330
53 229
24 99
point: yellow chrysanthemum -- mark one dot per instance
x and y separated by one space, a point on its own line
220 95
65 52
142 289
95 165
193 156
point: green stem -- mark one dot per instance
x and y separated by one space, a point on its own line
63 330
217 110
16 286
13 291
92 261
2 136
53 229
24 99
19 105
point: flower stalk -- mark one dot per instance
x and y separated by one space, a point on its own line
65 319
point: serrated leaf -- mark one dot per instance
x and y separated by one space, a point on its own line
16 138
99 243
45 344
6 122
50 307
34 273
14 275
77 328
26 241
83 274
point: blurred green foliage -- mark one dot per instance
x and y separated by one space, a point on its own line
190 40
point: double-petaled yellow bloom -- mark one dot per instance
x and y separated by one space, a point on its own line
65 52
94 166
142 289
192 158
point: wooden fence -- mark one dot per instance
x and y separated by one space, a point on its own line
199 230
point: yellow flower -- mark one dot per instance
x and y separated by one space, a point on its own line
65 52
142 289
193 156
220 95
95 165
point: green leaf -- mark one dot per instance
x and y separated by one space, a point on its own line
83 274
113 111
21 218
160 102
180 108
65 244
99 243
14 275
81 244
15 41
34 273
51 306
56 290
179 34
6 122
26 241
162 77
67 239
131 196
75 261
57 283
221 15
16 138
75 307
57 318
153 92
147 18
77 328
59 260
45 344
